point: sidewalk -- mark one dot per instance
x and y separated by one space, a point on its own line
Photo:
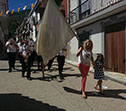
117 77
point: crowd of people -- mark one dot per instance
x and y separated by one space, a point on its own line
26 53
25 50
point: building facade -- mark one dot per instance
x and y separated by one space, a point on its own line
3 25
104 22
29 28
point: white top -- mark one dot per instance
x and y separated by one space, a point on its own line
19 46
84 58
31 45
23 49
11 48
62 52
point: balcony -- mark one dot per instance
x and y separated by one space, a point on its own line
89 8
80 12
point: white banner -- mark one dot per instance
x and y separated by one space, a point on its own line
54 32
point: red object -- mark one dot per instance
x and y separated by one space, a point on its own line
84 72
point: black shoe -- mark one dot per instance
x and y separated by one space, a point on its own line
13 67
29 79
62 77
10 70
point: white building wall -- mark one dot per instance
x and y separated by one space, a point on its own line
96 37
97 44
97 5
72 49
97 34
73 4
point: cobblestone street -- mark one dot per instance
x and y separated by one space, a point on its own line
52 94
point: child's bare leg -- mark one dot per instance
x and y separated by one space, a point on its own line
100 86
96 86
83 95
84 78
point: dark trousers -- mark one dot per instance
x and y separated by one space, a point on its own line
50 63
39 61
19 57
11 59
61 61
23 66
30 62
27 66
33 56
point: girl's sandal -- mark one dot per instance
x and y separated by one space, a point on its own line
97 88
84 96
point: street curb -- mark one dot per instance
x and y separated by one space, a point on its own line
108 76
116 80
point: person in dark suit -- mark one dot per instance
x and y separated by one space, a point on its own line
61 61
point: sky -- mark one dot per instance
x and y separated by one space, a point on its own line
15 4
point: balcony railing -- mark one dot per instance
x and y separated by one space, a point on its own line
89 7
80 12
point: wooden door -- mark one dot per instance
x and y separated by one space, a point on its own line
115 47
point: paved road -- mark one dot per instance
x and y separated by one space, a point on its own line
52 94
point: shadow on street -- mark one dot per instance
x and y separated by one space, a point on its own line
110 93
70 90
4 69
49 77
17 102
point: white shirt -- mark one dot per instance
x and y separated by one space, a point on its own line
19 46
23 49
62 52
10 48
31 45
84 58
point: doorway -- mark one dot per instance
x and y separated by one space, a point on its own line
115 48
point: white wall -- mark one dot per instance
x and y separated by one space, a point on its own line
82 1
72 49
97 5
97 34
73 4
74 44
97 42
